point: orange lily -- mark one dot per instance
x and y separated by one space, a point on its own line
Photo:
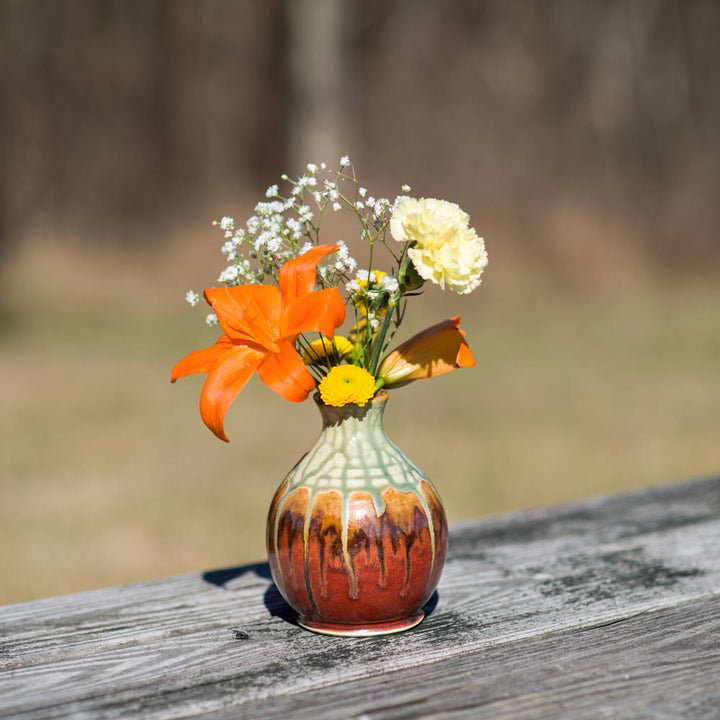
261 325
435 351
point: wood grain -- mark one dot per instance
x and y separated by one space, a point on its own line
605 608
627 668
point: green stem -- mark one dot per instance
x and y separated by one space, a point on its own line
380 341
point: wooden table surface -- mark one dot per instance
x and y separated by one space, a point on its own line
608 608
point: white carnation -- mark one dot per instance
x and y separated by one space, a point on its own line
446 250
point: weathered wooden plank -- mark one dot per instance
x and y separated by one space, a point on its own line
169 648
657 664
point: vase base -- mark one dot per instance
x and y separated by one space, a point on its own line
362 629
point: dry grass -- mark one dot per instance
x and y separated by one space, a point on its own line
108 475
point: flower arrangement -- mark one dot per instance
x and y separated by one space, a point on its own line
285 293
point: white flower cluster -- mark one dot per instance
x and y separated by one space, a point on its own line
390 284
370 292
369 281
344 262
270 238
286 224
445 249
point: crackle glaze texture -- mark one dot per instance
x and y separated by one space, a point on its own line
356 533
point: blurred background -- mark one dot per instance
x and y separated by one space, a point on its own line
583 137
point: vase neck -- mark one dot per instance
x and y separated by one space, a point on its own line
368 415
353 454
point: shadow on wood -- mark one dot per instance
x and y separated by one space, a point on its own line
220 578
273 600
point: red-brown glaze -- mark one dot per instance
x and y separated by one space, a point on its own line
389 570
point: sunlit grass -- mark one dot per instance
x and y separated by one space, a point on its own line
109 476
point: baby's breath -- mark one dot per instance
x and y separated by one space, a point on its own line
229 275
390 283
287 223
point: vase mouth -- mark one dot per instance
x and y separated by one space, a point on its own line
333 414
378 398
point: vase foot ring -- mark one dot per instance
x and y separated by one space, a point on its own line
362 630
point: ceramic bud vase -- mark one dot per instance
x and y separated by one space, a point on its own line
356 533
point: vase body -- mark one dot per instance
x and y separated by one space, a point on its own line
356 533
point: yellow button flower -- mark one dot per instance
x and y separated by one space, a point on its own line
346 384
323 348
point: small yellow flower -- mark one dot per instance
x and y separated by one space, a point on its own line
358 332
445 249
364 278
346 384
367 290
322 348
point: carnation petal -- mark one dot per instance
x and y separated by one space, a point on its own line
444 248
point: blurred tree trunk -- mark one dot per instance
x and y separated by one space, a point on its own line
318 82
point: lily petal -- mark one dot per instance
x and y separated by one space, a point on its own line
435 351
320 311
223 384
297 277
261 324
201 361
285 374
248 312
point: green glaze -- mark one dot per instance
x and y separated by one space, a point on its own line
353 454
